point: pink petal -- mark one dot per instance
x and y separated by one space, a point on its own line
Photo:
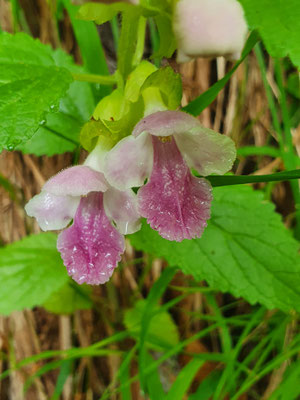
207 151
166 123
175 203
122 208
129 163
91 248
52 212
76 181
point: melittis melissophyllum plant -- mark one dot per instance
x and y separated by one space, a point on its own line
156 154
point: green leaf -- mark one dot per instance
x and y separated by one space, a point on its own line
30 271
69 298
136 80
168 83
30 86
167 41
224 180
155 335
101 13
245 250
61 130
196 106
278 23
91 132
184 379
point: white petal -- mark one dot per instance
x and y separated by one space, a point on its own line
76 181
207 151
52 212
130 162
121 207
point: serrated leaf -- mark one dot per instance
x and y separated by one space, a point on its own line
30 86
30 271
155 335
168 83
69 298
278 23
61 130
245 250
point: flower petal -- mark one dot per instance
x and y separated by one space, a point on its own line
91 248
206 28
129 163
52 212
175 203
121 207
76 181
166 123
207 151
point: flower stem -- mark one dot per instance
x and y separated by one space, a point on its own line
92 78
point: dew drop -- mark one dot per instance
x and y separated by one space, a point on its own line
42 122
10 147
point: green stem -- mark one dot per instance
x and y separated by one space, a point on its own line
139 51
92 78
220 180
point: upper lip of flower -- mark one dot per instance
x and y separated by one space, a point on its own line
203 149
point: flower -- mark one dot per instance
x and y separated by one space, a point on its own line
161 148
92 246
209 28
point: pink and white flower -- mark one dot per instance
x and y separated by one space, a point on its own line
209 28
162 148
92 246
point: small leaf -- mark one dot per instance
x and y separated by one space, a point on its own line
30 86
30 271
101 13
169 84
245 250
155 335
167 42
91 132
69 298
136 80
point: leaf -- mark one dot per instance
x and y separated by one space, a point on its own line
224 180
136 80
155 335
30 271
169 84
61 130
91 132
278 23
69 298
30 86
101 13
167 42
245 250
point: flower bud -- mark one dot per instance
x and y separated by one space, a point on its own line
209 28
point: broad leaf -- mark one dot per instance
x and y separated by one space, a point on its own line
30 86
62 128
30 271
245 250
69 298
155 336
278 23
